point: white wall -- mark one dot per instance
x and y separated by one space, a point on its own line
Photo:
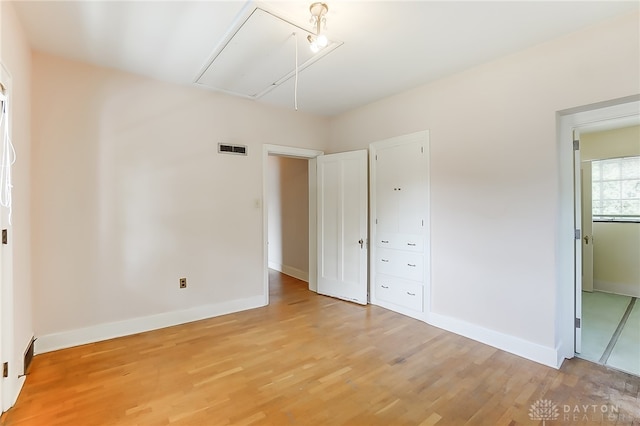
616 251
622 142
130 194
15 54
288 197
495 175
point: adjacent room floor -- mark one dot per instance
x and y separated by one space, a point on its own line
611 330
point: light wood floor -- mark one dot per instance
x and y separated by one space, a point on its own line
309 360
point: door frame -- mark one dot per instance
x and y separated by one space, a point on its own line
292 152
600 116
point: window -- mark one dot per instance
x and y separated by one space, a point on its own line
616 189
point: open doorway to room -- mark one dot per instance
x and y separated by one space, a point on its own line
288 219
610 170
572 123
337 221
273 157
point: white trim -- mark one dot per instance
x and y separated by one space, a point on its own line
515 345
82 336
275 266
290 270
288 151
312 277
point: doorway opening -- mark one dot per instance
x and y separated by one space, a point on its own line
337 227
288 217
573 123
294 158
610 165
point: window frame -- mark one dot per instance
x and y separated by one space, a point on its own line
613 218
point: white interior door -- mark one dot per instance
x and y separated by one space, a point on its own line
342 225
4 133
2 329
587 228
577 220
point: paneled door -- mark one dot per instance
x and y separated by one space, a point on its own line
577 198
342 225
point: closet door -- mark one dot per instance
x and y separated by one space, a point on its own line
399 263
386 191
412 189
400 188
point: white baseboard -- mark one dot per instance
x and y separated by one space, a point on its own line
19 384
624 289
290 270
275 266
561 356
82 336
51 342
531 351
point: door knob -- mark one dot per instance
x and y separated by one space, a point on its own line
361 242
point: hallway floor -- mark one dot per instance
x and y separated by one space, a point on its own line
611 330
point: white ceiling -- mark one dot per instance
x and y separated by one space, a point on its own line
389 46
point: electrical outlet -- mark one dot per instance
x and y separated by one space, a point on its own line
183 283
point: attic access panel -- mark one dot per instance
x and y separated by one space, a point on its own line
259 56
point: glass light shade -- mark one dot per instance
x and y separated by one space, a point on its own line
322 40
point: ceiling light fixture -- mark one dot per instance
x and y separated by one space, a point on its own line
318 17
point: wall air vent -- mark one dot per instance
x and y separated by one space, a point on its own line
232 149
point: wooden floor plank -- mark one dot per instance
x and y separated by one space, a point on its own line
308 360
